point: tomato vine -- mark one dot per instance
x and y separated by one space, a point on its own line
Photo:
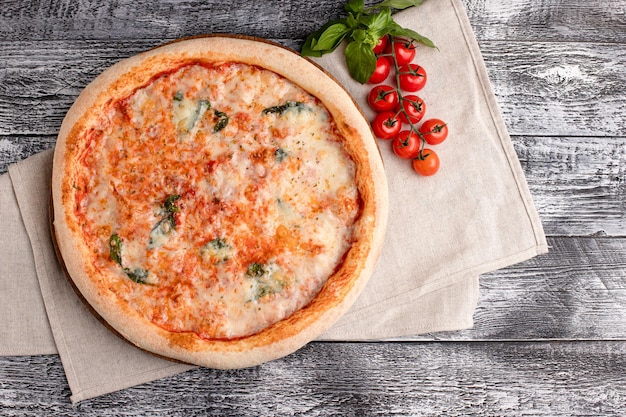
409 110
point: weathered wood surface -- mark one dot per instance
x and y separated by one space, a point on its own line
560 21
368 379
549 333
575 292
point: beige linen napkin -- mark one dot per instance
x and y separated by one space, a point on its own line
474 216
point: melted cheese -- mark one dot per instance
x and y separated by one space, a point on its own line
261 203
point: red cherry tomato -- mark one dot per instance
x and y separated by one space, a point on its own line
412 77
383 98
434 131
406 145
403 49
381 45
386 125
383 67
414 108
426 163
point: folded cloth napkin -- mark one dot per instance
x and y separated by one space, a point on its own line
476 215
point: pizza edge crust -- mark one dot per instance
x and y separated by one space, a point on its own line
342 288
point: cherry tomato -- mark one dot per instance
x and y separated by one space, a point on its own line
403 49
406 145
434 131
414 108
383 98
426 163
383 67
381 45
386 125
412 77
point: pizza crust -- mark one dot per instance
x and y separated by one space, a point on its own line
341 289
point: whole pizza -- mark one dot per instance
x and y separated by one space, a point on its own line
218 200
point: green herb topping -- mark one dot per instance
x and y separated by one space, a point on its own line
280 109
168 204
138 275
222 120
219 243
256 270
165 226
280 154
265 280
362 28
216 251
115 248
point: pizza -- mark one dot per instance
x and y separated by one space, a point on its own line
218 200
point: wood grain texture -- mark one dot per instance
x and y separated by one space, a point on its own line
559 88
126 19
547 20
568 20
577 291
578 183
359 379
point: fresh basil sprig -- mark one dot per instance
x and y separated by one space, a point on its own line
362 28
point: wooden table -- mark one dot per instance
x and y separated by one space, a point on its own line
550 333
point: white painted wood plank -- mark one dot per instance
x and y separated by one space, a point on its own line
356 379
529 20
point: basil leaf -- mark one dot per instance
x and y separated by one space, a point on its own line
397 30
161 231
164 227
280 109
352 22
138 275
217 251
169 209
222 120
219 243
359 35
360 60
280 154
115 248
168 204
331 37
309 44
355 6
263 289
377 24
308 49
397 4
